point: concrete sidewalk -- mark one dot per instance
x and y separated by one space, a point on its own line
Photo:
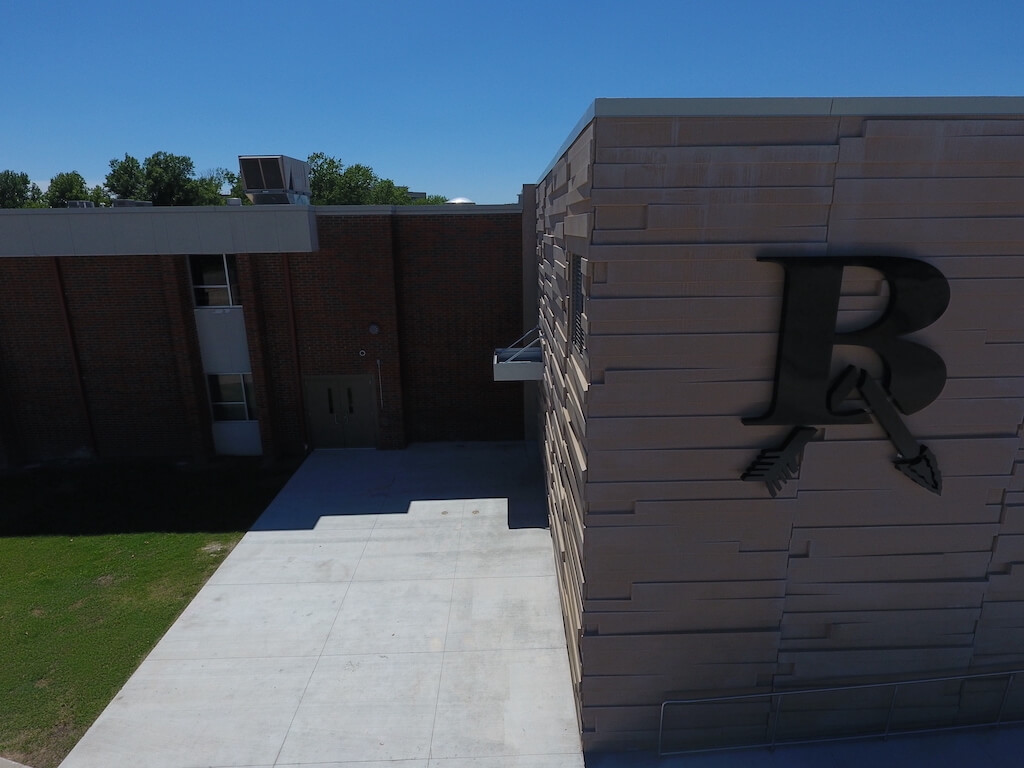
389 608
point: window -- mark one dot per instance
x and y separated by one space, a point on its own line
214 280
579 338
231 396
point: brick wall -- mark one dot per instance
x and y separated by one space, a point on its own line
326 302
138 353
263 281
127 329
443 289
460 296
43 415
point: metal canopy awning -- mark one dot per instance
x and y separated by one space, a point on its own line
520 362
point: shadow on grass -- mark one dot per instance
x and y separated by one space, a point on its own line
138 497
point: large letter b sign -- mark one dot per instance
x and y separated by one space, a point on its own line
914 375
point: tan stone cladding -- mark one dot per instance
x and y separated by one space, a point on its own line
678 579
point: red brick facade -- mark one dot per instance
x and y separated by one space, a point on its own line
42 414
112 368
99 359
471 266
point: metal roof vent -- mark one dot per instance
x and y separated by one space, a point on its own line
459 201
275 179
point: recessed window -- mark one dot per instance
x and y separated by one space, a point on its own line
214 280
579 338
231 396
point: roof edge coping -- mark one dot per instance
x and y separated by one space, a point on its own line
867 106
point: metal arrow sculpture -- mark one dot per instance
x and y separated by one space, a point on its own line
914 460
776 467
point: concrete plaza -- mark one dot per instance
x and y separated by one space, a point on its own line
399 608
389 608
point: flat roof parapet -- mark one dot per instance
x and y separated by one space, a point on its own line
866 106
157 230
813 106
166 230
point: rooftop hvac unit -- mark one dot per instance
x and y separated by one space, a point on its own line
81 204
275 179
124 202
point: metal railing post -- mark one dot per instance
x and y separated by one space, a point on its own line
775 711
776 705
892 706
1006 695
661 728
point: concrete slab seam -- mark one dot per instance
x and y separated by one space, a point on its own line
312 672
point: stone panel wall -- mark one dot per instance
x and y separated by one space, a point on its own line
679 579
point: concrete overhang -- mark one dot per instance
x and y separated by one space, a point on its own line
167 230
864 106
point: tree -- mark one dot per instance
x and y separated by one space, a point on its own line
64 187
237 188
357 185
17 191
99 196
169 179
126 179
324 179
207 188
332 183
385 192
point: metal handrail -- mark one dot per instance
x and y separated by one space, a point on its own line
535 329
775 710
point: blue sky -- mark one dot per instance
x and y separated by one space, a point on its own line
446 97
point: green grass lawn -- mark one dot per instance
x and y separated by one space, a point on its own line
86 591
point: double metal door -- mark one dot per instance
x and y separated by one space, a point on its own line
341 411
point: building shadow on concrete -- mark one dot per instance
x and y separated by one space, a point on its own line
243 494
370 482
